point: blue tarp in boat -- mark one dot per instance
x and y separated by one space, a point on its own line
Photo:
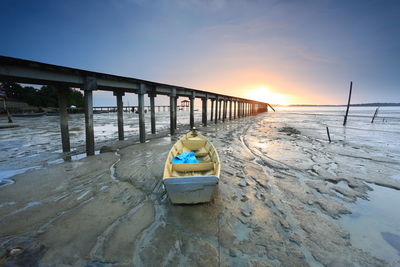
185 157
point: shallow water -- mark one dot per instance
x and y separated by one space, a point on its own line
356 150
374 223
298 175
37 142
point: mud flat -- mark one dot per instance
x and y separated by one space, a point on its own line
282 194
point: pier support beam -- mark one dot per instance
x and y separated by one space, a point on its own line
153 112
176 112
120 113
226 109
216 110
172 111
191 98
230 109
212 110
204 102
62 106
223 110
234 110
88 87
142 130
220 109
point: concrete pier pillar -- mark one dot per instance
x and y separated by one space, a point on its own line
226 109
216 110
172 111
212 110
62 106
204 102
153 112
88 87
120 113
223 110
176 112
220 109
191 98
230 109
142 130
234 110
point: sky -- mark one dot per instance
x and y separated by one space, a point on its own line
285 52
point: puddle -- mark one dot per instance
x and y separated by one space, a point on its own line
343 184
5 175
374 225
397 177
241 231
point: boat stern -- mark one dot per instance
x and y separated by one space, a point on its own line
190 190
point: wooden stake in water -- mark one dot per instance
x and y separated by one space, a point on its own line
329 136
271 107
8 113
376 113
348 105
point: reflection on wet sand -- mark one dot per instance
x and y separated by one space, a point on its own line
281 200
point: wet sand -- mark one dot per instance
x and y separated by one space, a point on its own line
280 197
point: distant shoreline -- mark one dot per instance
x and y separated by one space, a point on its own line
352 105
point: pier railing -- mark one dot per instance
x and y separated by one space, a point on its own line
136 108
32 72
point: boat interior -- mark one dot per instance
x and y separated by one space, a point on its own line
204 151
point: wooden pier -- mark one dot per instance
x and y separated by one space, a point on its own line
32 72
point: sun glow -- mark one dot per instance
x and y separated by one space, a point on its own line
264 95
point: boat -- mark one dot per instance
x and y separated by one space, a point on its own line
29 114
191 183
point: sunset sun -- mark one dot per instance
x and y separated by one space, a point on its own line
264 95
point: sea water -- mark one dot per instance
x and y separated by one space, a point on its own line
37 142
374 224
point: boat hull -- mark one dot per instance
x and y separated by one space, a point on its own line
29 115
191 190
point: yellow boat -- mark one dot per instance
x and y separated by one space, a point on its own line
190 183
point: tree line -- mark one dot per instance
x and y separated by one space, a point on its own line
45 96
